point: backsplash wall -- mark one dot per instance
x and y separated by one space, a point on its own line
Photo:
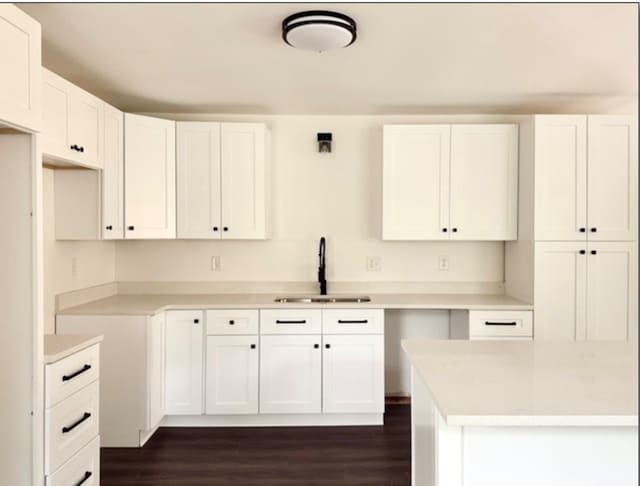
337 196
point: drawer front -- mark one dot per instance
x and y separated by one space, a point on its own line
70 425
500 324
83 469
353 321
222 322
290 321
67 376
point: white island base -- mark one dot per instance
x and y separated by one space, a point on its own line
453 449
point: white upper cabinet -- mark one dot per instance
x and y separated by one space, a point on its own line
415 204
245 181
484 182
113 175
73 123
198 180
150 175
586 171
444 182
612 178
21 79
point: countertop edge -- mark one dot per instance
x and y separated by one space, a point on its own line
541 420
83 342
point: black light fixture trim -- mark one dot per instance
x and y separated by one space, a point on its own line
343 21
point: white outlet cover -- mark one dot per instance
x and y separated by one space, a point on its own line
374 263
215 263
443 262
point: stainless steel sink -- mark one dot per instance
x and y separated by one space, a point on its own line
322 300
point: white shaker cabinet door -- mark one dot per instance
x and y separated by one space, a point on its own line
56 138
415 193
86 116
232 375
612 291
184 362
484 182
353 373
560 291
561 177
20 58
245 191
290 374
150 176
113 175
613 178
198 180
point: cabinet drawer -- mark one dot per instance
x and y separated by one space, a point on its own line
291 321
70 425
353 321
223 322
500 324
83 469
65 377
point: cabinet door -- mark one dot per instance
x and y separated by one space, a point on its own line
232 375
353 374
20 58
57 94
560 291
150 175
415 180
244 180
113 175
613 178
85 128
290 374
155 370
484 182
561 177
612 291
198 180
184 356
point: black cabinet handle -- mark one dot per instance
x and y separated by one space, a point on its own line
109 228
583 230
355 321
76 373
489 323
232 322
303 321
130 228
327 346
75 147
215 228
593 230
225 228
455 230
253 346
316 346
444 230
582 252
594 252
87 475
69 428
196 321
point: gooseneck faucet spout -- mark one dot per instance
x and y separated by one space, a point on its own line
322 270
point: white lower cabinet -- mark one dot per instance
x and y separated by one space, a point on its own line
353 373
83 469
291 374
184 362
232 375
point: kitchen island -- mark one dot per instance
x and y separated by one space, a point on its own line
526 413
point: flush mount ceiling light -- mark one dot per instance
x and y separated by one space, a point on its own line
319 30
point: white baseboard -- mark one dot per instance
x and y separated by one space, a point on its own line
273 420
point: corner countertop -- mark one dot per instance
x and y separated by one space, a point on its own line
509 383
59 346
153 304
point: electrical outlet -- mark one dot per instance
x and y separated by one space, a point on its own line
443 262
74 266
374 264
215 263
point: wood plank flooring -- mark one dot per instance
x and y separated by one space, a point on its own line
282 456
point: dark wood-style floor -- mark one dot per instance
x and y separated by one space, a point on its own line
287 456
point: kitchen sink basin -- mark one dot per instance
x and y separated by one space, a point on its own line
322 300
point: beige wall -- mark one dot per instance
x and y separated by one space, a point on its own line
338 196
95 260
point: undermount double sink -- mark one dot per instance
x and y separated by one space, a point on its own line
322 300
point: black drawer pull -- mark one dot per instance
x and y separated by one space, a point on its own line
489 323
69 428
87 475
354 321
76 373
303 321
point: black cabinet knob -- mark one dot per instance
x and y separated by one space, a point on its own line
444 230
109 228
327 346
593 230
594 252
81 149
232 322
253 346
583 230
196 321
225 228
455 230
130 228
582 252
215 228
316 346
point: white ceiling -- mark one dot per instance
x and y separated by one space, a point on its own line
411 58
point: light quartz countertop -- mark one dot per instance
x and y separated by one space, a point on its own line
152 304
59 346
487 383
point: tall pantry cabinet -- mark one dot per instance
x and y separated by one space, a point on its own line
579 248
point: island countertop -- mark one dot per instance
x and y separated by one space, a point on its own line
509 383
152 304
